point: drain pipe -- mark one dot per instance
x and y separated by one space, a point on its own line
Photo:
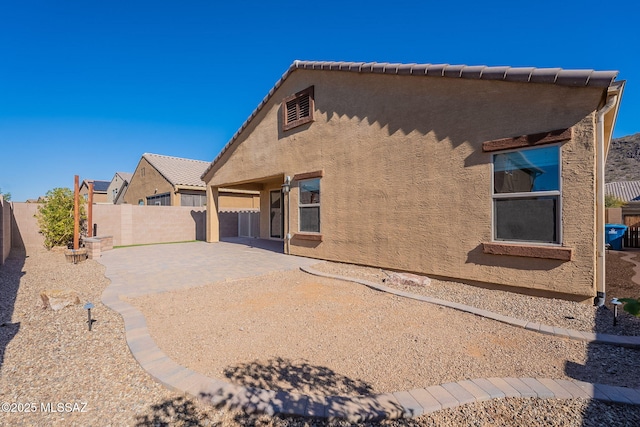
286 189
600 209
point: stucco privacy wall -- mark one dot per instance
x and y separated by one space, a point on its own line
133 225
406 184
5 229
128 224
25 232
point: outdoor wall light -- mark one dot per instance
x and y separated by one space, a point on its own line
286 187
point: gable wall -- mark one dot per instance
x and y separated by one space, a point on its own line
116 184
406 184
146 179
97 197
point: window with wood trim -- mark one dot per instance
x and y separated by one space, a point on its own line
309 205
527 195
297 109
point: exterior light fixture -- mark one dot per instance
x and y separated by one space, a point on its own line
286 187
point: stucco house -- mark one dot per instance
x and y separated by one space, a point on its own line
173 181
166 181
99 190
492 176
118 187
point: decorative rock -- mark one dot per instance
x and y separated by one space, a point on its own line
57 299
407 279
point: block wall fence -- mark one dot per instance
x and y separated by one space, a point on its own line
126 224
5 229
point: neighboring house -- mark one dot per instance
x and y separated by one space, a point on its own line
627 191
629 214
485 175
117 187
166 181
99 190
172 181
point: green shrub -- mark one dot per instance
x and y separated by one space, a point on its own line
55 217
631 306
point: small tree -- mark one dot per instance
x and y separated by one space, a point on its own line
55 217
5 196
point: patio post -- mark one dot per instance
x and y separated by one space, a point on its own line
213 222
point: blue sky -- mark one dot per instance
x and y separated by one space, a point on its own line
87 87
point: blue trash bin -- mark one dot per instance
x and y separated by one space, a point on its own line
613 234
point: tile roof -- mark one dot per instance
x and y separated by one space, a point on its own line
178 171
629 191
125 175
558 76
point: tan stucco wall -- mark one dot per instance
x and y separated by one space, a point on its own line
5 229
238 201
25 232
97 197
613 216
116 184
406 184
128 224
133 225
144 183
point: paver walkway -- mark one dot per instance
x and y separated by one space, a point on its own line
142 270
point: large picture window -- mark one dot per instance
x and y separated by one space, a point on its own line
526 195
309 205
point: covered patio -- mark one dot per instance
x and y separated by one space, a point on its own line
273 222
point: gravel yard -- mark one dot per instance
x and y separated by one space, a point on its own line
283 330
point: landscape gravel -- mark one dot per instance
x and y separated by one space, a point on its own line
547 311
48 357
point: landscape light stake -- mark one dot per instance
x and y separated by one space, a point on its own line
89 306
615 303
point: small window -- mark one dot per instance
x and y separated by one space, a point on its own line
526 195
309 205
297 109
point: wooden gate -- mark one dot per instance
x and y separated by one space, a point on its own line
632 235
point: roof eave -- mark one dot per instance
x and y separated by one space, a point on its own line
575 78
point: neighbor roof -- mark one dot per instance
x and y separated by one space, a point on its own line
558 76
178 171
125 175
98 186
629 191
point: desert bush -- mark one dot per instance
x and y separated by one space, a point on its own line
611 201
55 217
